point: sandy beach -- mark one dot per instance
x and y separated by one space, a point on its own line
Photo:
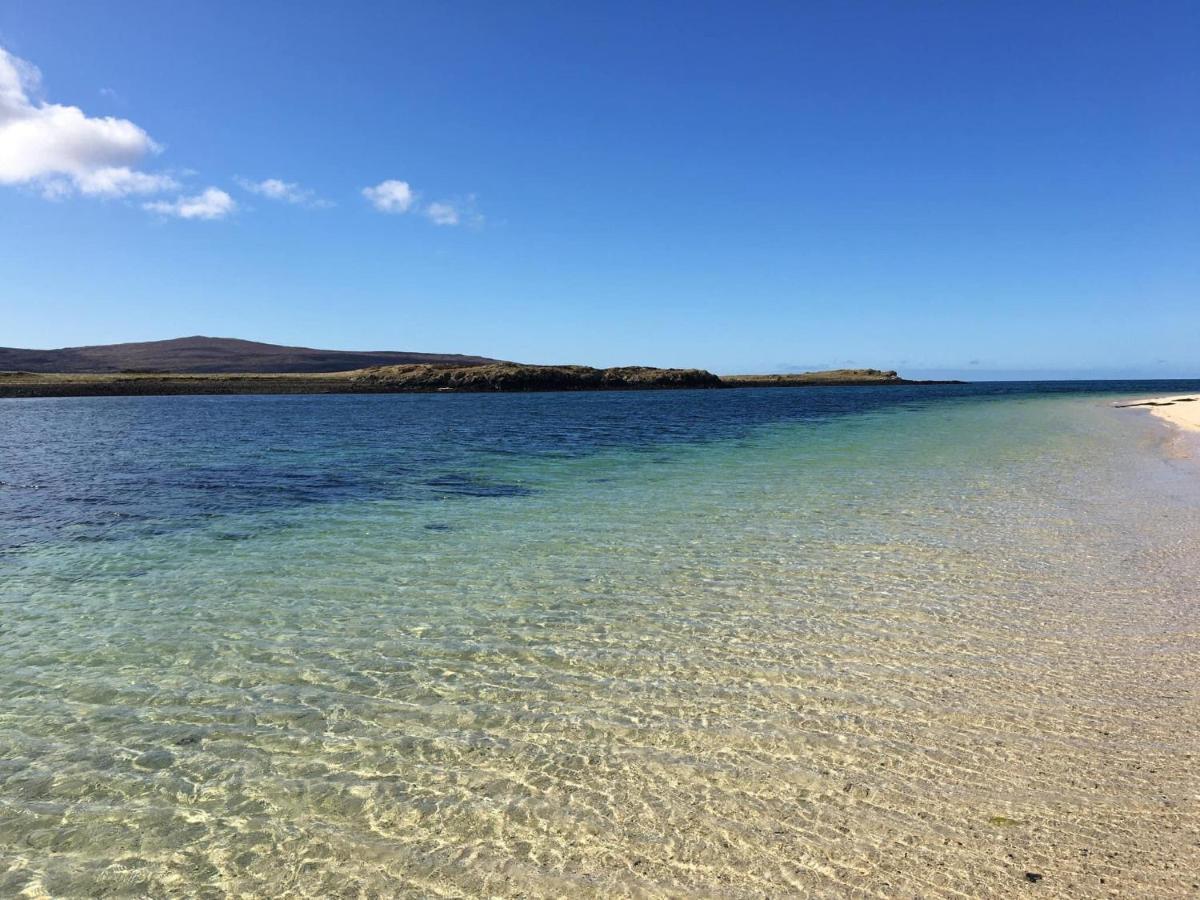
1182 410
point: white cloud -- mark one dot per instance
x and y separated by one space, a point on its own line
442 214
394 196
284 191
117 181
61 149
460 211
211 203
391 196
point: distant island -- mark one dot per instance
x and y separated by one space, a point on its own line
202 365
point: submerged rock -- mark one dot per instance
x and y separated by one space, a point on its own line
154 759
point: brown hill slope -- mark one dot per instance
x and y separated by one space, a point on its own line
200 354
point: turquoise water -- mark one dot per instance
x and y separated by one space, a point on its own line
739 643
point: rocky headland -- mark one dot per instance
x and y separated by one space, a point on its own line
484 378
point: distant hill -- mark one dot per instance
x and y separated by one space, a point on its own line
199 354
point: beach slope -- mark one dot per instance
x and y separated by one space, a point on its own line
1182 411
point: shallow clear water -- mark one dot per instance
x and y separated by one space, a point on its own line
736 643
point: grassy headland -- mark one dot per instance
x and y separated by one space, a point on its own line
490 377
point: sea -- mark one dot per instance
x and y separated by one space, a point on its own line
893 641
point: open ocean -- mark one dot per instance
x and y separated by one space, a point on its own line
872 641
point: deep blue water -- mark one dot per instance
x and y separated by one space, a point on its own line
108 467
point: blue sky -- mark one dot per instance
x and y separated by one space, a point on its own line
973 188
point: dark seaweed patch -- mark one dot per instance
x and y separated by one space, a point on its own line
473 486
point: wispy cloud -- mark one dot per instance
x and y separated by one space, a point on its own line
62 150
442 213
211 203
120 181
454 212
283 191
391 196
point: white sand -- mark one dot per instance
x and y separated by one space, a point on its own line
1182 410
